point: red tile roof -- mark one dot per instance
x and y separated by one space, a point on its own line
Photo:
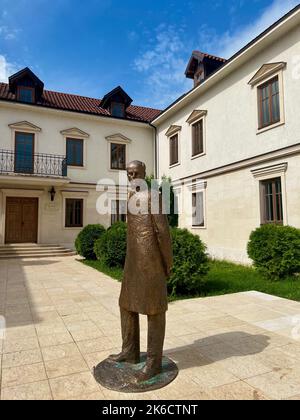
76 103
213 57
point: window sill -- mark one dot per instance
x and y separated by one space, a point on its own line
174 166
76 167
116 170
198 156
73 228
199 227
270 127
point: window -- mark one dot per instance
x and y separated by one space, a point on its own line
197 138
26 94
271 201
269 103
118 156
198 209
174 158
74 212
74 152
118 211
117 109
24 153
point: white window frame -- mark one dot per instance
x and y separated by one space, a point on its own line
203 119
257 84
268 173
76 133
198 187
118 139
171 133
25 127
80 195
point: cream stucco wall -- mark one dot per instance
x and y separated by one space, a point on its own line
232 208
81 182
232 199
96 157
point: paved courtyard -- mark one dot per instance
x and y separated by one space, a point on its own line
62 319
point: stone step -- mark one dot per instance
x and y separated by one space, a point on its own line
37 252
31 246
5 250
34 251
50 255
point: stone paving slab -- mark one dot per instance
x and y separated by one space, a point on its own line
62 319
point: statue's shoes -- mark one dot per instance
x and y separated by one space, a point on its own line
146 374
124 358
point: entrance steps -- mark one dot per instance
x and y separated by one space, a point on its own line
34 251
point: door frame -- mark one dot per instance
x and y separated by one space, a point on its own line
36 200
38 193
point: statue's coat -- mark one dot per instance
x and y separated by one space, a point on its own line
148 261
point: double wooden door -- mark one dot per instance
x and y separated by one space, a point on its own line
21 220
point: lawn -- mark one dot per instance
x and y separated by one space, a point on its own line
115 272
224 278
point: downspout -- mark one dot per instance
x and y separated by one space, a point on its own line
156 151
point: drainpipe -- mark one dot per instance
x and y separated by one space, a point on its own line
156 151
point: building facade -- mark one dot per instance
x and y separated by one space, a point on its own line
54 149
234 141
231 146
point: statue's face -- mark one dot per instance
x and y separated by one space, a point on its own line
135 172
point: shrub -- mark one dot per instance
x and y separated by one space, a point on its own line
275 251
111 247
190 263
86 239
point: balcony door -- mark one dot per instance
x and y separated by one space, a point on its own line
24 153
21 220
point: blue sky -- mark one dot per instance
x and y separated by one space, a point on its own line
89 47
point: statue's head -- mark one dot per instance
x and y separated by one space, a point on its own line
136 170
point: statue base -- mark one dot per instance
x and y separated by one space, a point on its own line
121 376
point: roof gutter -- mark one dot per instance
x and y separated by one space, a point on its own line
156 151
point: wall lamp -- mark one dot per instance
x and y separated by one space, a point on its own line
52 193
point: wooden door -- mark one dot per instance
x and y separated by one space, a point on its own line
21 220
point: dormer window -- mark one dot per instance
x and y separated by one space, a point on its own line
116 102
117 109
26 86
26 94
202 65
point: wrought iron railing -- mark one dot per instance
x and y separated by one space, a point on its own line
38 164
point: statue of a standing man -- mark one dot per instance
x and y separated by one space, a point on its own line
144 288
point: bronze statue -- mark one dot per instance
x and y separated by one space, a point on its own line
144 287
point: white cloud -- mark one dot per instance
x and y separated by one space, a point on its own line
6 69
164 61
163 64
9 34
228 43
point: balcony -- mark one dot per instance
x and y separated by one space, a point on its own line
39 164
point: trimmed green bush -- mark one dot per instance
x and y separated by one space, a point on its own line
190 263
86 239
111 247
275 251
